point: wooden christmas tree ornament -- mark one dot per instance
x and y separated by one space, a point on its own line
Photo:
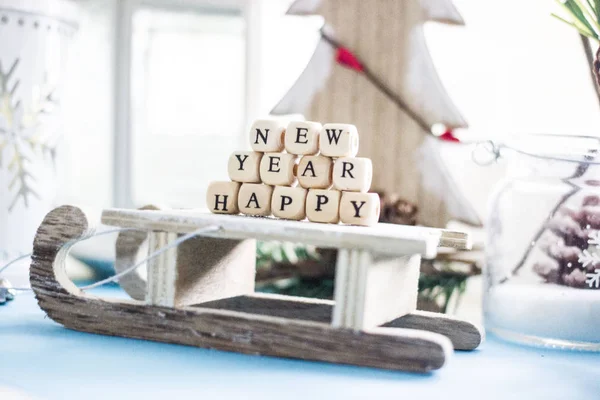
201 293
372 66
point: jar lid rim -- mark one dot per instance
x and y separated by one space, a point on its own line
569 148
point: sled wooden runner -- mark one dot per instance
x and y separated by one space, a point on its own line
202 293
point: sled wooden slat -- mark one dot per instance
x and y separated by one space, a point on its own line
463 334
382 238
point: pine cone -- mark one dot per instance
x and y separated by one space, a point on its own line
565 241
395 210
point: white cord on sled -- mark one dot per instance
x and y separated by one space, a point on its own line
14 261
116 277
158 252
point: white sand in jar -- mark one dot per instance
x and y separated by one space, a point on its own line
545 310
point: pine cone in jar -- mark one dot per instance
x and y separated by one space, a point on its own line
569 245
395 210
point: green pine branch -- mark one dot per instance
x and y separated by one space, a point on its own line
582 16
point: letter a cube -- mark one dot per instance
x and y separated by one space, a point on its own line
315 172
255 199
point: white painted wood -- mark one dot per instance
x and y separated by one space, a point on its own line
122 104
254 18
162 271
370 292
379 239
361 288
340 293
390 287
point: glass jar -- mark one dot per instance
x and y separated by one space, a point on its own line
34 37
542 276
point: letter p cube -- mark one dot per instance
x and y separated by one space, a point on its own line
289 202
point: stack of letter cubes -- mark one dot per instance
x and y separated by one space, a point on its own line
317 176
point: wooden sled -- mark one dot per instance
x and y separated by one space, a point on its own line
202 293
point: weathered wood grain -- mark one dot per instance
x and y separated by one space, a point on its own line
391 348
463 335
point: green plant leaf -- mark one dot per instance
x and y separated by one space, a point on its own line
589 16
579 20
581 31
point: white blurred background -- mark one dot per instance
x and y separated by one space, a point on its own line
155 83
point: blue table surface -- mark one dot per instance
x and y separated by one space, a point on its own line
42 359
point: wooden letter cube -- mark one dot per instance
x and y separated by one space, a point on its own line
352 174
302 137
359 208
338 140
221 197
323 206
267 135
278 169
255 199
289 202
244 166
315 172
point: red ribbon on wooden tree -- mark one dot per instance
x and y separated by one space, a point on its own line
347 59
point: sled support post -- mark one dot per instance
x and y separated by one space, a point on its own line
371 291
162 270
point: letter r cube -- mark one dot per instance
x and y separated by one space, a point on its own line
353 174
